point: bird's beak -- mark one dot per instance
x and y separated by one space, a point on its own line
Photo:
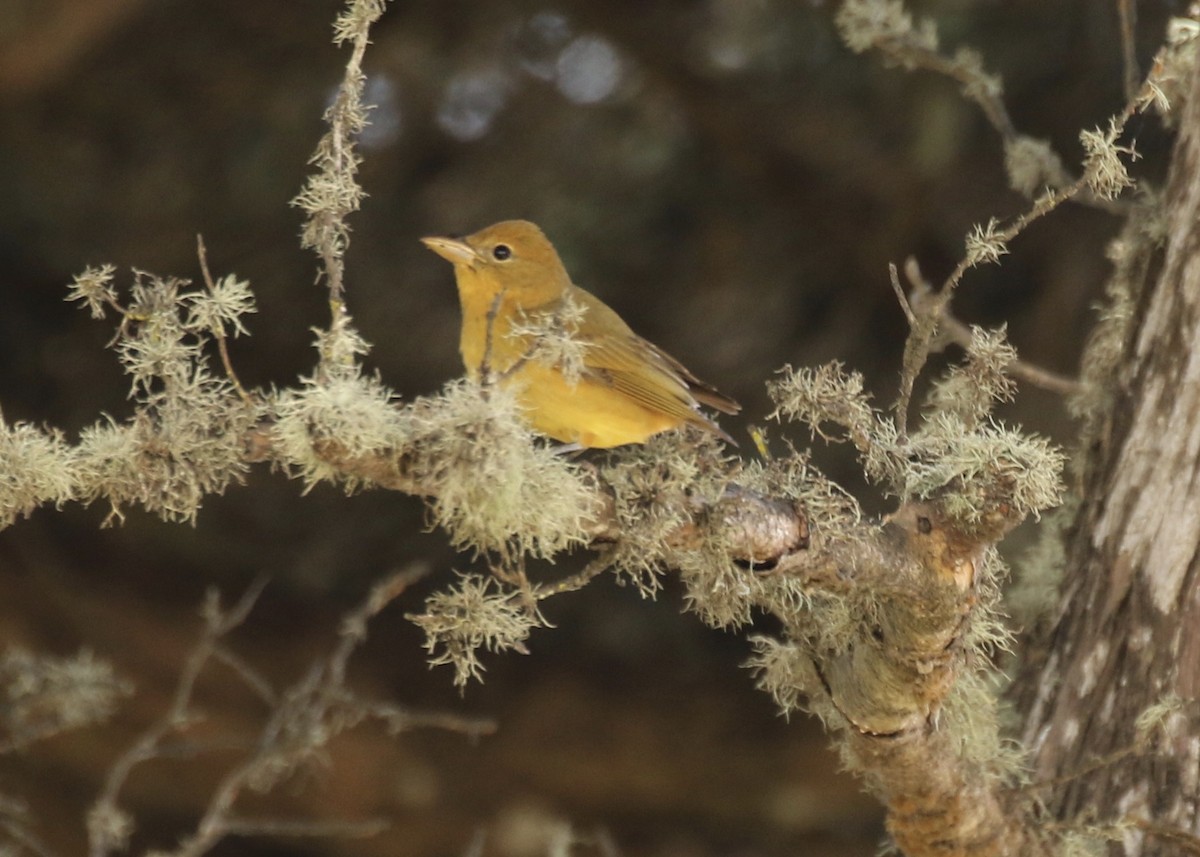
452 250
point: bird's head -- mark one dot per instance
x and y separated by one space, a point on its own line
513 256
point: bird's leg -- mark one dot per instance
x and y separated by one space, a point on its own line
566 448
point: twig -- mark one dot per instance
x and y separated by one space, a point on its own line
577 581
1092 767
1177 836
303 827
179 715
247 674
921 339
975 86
190 749
960 334
475 846
354 625
1045 379
12 812
400 719
606 843
1127 13
910 50
25 839
333 192
900 296
308 715
217 332
519 581
485 365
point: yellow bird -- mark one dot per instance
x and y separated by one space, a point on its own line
625 390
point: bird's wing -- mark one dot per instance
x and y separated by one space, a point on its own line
638 368
700 390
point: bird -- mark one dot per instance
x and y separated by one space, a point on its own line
622 390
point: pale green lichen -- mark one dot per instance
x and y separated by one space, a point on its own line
884 24
551 339
970 390
1103 167
221 308
971 470
359 413
1039 570
35 468
95 288
970 716
657 487
1032 166
985 244
472 616
494 488
43 695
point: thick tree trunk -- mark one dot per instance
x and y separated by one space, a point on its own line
1127 634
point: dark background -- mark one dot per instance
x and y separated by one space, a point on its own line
723 173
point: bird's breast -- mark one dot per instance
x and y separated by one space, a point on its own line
488 336
589 411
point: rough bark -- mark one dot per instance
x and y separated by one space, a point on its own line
1127 632
890 687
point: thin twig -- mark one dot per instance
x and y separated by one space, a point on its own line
577 581
190 749
606 843
217 331
900 296
26 840
922 338
235 826
973 87
1092 767
960 334
310 713
516 366
354 625
179 715
1177 836
475 846
912 52
12 823
519 581
399 719
247 674
485 365
539 333
1127 13
346 164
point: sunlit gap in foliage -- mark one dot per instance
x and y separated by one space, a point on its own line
741 35
585 68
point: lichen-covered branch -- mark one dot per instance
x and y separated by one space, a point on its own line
1034 169
888 624
887 627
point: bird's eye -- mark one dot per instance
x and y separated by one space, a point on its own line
501 252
